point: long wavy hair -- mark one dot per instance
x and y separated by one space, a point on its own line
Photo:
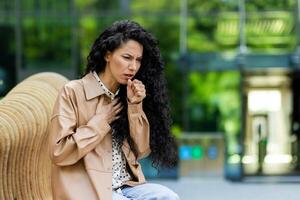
155 104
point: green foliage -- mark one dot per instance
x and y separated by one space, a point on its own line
46 40
198 40
176 131
95 5
214 101
155 5
87 34
270 5
212 5
43 6
212 25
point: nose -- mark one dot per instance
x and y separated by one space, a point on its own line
133 66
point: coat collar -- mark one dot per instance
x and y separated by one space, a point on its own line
91 86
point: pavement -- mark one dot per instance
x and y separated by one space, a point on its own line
217 188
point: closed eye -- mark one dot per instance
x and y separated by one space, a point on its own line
126 57
129 57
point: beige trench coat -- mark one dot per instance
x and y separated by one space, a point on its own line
81 146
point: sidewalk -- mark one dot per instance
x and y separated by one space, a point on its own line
217 188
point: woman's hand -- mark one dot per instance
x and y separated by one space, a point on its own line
109 111
136 91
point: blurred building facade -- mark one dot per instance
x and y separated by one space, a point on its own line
268 140
245 52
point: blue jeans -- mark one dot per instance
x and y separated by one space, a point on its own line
146 191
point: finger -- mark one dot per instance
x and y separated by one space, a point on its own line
141 90
117 111
138 87
140 95
137 81
129 83
115 101
117 106
133 88
129 87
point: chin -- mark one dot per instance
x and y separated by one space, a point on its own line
123 82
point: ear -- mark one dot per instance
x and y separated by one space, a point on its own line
107 56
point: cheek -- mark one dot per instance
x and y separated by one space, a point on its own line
119 66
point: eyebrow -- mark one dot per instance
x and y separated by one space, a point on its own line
139 57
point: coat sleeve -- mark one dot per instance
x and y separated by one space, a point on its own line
68 142
139 129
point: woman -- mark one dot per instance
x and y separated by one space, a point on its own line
115 115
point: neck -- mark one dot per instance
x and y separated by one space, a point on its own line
109 82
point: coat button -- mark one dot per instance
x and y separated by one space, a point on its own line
108 188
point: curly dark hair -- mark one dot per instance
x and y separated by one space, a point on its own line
155 105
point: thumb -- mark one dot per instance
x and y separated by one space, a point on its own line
129 83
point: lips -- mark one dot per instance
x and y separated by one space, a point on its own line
128 76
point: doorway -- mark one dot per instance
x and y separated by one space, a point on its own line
268 139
